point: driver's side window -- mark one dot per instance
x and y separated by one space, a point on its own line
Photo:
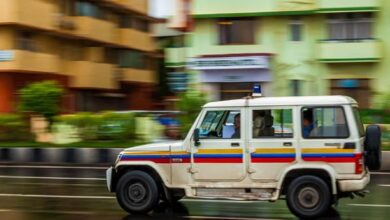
220 124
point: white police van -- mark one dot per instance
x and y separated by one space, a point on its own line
310 151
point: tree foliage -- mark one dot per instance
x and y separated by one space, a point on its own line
190 105
41 98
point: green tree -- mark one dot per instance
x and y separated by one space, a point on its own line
41 98
190 105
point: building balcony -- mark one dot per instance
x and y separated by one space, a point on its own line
349 51
34 13
136 39
175 57
206 50
29 61
94 28
347 6
234 8
140 6
91 75
138 76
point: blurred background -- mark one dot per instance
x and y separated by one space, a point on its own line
82 79
117 73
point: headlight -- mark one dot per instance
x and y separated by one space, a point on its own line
119 157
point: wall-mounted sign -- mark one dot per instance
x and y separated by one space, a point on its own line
6 55
348 83
220 63
234 75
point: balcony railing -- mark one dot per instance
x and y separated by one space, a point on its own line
354 5
230 8
234 8
230 49
35 13
349 50
29 61
140 6
86 74
94 28
136 39
138 75
175 57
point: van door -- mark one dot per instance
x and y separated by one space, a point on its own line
326 137
272 142
220 154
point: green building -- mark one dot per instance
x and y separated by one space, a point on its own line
291 47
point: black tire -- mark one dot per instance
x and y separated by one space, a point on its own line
137 192
308 197
372 147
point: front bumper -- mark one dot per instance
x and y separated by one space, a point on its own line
354 185
109 178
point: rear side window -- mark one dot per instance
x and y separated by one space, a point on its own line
324 122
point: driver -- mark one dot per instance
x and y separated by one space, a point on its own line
237 122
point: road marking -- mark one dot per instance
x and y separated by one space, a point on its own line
370 205
51 178
384 185
227 218
53 167
380 173
57 184
49 211
56 196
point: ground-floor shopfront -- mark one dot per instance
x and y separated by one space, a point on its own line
358 89
129 96
225 77
12 82
357 80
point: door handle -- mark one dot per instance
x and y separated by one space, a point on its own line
235 144
332 144
287 144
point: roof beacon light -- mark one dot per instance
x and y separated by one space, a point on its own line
257 91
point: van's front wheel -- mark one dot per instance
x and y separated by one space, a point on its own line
308 197
137 192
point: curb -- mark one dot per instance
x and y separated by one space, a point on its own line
78 156
85 156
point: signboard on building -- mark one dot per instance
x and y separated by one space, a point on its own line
6 55
177 81
182 19
220 63
246 75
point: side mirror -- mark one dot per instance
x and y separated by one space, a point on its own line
196 137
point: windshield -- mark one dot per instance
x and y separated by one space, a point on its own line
358 121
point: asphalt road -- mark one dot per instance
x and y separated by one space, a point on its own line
48 192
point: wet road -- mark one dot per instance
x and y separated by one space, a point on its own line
80 193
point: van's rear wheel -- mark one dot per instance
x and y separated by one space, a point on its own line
137 192
372 147
308 197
